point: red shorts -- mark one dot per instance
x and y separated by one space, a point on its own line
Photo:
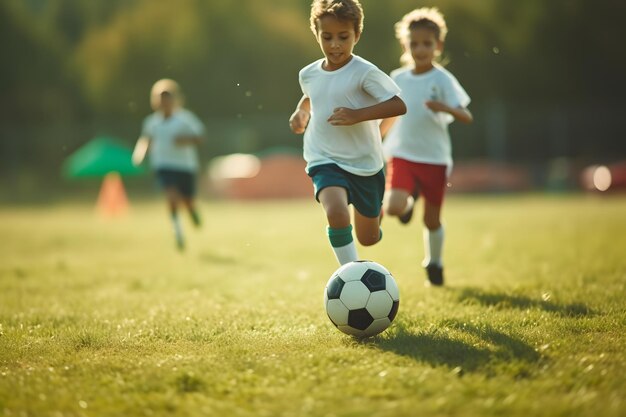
428 180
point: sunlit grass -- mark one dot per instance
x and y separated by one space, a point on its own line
104 317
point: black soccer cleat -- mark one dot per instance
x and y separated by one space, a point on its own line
406 217
435 275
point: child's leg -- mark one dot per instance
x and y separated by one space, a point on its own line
187 190
172 201
433 244
399 202
367 229
433 235
193 212
367 196
334 200
401 189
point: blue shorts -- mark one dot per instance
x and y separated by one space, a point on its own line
364 193
183 181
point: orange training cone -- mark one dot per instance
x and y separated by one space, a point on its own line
112 201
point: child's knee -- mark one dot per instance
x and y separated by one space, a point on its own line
432 224
369 238
395 204
393 208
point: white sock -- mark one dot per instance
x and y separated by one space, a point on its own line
347 253
178 228
433 246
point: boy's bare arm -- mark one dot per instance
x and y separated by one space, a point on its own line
300 118
343 116
386 124
459 113
141 147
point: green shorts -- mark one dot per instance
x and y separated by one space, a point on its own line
364 193
184 182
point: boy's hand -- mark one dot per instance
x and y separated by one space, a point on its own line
139 153
343 116
299 120
459 113
437 106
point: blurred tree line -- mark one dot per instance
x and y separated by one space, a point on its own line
547 78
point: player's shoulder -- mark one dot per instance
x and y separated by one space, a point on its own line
401 72
359 60
360 63
311 68
443 73
185 113
151 118
187 116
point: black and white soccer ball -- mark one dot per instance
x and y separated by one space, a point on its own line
361 298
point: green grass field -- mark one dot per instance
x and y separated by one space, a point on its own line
105 318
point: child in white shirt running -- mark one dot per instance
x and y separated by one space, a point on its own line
417 145
344 96
171 135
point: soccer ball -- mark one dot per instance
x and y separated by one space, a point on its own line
361 298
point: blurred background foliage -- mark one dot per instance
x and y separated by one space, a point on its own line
547 78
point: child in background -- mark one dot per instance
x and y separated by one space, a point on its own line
344 95
172 135
417 145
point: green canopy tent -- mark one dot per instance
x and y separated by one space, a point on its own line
106 158
99 157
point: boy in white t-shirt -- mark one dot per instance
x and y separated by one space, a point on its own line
344 96
172 135
417 145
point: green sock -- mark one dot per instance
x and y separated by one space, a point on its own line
343 244
339 237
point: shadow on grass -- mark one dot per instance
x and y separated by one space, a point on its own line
435 349
522 302
463 347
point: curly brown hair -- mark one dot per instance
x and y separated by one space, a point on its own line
425 17
349 10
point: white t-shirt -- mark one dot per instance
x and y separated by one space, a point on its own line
357 148
164 153
421 135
